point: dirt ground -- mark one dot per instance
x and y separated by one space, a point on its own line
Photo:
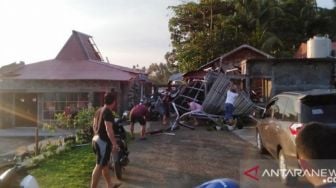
185 159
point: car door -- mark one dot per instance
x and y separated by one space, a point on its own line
265 122
272 124
287 138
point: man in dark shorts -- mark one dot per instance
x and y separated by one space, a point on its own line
138 114
104 141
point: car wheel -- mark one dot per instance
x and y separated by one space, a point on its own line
287 180
260 144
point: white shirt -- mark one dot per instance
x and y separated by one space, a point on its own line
231 97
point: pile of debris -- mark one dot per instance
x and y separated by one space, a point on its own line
211 94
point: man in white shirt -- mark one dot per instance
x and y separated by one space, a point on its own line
231 97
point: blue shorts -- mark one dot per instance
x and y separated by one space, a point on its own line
102 149
228 110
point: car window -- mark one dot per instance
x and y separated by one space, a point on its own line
319 108
275 109
279 108
269 109
291 113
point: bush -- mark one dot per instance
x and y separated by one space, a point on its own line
84 120
63 121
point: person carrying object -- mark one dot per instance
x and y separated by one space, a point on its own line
231 96
138 114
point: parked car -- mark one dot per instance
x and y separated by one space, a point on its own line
284 116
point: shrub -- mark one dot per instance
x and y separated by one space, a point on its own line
84 120
63 121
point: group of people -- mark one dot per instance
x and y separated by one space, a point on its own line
315 142
104 141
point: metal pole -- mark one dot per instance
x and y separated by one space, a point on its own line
141 95
36 140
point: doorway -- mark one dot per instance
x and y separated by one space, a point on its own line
25 109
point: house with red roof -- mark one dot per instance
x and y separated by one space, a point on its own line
78 77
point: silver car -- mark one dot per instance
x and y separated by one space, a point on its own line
284 115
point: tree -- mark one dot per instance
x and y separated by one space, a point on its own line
159 73
252 20
196 32
203 31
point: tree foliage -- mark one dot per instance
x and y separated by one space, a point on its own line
203 30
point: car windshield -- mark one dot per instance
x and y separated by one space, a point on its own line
319 108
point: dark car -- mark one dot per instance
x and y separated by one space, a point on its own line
284 116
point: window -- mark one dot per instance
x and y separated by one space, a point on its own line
68 103
279 108
291 113
269 109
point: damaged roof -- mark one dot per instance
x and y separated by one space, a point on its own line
79 59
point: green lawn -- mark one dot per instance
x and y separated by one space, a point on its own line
69 169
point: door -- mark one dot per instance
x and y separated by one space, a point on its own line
276 123
25 109
271 124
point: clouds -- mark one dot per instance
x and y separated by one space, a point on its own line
128 32
124 30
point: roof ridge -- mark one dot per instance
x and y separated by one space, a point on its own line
235 50
111 65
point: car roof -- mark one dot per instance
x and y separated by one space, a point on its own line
314 92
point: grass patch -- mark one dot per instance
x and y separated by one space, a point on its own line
72 168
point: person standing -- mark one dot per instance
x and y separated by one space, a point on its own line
166 102
231 97
138 114
104 140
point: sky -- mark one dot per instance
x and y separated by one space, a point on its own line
127 32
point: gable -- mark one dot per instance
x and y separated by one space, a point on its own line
243 52
79 46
